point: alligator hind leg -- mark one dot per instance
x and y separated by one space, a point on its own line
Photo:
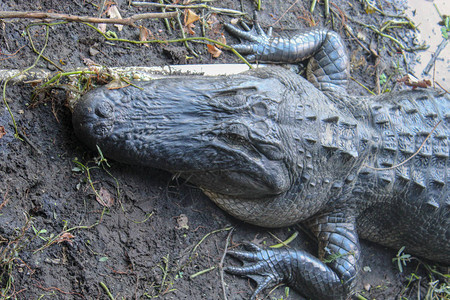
328 68
312 277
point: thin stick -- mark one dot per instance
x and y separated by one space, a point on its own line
435 56
183 34
441 86
166 21
86 19
212 8
221 263
282 15
26 139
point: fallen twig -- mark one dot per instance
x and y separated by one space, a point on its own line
183 34
435 56
221 263
214 9
362 85
84 19
441 87
29 142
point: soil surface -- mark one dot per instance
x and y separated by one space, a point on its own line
57 241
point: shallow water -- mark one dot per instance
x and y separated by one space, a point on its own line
425 16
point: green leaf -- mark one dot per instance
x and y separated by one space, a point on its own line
383 79
103 259
444 32
76 169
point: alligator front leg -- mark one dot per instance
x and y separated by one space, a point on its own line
330 277
328 70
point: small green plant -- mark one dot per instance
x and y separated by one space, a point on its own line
435 291
401 259
445 26
9 256
40 234
383 79
166 282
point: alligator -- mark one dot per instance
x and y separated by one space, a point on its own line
275 149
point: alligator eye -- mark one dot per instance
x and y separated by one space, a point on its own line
237 133
235 101
270 151
236 138
104 109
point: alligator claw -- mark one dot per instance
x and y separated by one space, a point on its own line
252 41
259 265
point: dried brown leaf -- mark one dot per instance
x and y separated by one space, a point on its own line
113 13
212 19
144 34
221 39
424 83
234 21
190 17
102 27
2 131
104 198
93 51
65 237
215 52
117 84
182 221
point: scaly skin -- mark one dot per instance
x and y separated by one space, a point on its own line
272 150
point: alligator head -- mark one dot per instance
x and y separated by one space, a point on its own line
224 134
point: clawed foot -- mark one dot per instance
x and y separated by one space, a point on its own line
261 265
253 41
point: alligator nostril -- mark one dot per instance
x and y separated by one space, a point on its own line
102 129
104 110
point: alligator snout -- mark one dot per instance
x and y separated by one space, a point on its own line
211 131
93 118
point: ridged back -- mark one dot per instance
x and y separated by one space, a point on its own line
405 179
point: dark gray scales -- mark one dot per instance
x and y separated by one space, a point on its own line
273 149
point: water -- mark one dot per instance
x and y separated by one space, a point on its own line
424 14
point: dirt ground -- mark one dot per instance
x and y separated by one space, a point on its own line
58 242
